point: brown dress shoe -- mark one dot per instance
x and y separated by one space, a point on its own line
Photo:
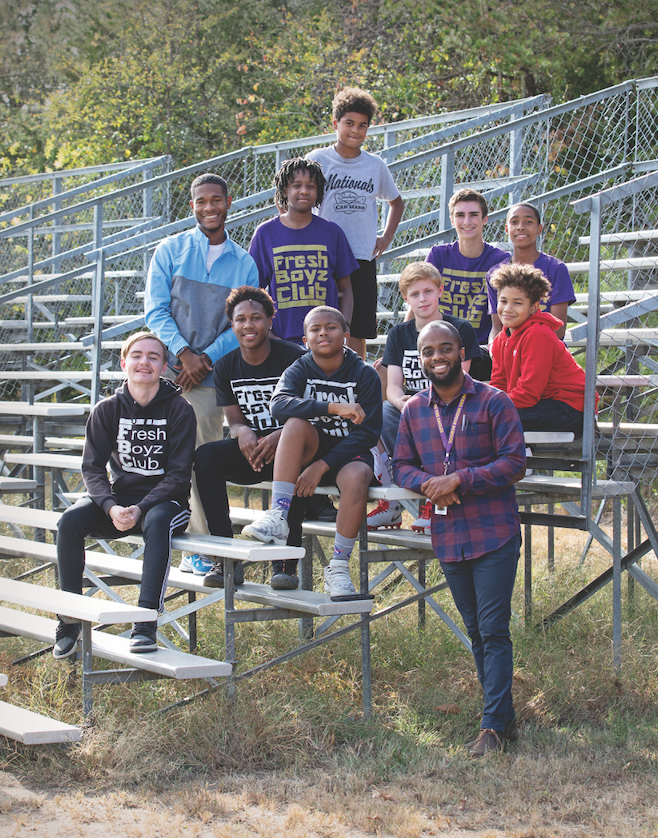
488 740
511 733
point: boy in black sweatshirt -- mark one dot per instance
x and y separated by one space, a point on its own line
330 401
146 432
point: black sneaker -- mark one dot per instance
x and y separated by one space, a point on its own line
144 637
284 581
66 639
215 577
284 575
320 508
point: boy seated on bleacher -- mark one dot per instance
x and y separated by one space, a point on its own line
530 363
146 433
331 403
244 384
421 286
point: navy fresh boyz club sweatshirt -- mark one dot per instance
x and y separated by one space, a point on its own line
149 449
304 391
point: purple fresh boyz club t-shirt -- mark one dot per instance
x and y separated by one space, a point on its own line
556 273
299 268
465 287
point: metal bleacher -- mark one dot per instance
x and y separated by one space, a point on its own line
74 262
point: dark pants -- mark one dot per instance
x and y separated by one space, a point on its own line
218 462
85 518
482 590
390 424
552 415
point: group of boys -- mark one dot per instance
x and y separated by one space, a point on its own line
287 371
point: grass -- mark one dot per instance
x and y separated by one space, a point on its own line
292 754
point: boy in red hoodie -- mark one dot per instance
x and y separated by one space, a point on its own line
530 363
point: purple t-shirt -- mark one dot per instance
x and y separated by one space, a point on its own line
465 287
299 268
556 273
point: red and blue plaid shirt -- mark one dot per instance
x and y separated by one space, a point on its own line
489 455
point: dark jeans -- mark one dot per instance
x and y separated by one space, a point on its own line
482 590
85 518
390 424
218 462
552 415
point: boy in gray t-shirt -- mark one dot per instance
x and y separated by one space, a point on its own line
355 179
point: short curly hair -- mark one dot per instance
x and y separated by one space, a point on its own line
353 99
327 310
287 172
245 293
209 177
530 280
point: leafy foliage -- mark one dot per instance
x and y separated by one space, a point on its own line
85 82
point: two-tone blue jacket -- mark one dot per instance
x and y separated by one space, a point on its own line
184 302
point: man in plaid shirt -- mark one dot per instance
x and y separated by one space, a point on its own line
460 443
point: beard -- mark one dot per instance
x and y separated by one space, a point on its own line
447 379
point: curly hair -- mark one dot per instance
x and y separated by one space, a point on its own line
530 280
245 293
287 172
353 99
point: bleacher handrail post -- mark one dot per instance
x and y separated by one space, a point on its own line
98 308
447 186
591 356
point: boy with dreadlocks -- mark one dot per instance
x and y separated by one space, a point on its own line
303 260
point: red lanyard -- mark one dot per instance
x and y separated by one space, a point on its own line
448 442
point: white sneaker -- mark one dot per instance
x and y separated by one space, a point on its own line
423 523
197 564
337 581
270 527
385 514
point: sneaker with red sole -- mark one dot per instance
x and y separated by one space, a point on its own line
385 515
423 523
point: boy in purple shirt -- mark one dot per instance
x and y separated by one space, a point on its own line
523 226
303 260
460 444
464 265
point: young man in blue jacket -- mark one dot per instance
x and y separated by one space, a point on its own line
190 277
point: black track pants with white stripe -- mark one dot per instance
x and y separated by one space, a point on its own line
85 519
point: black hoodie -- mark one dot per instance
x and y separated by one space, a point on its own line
149 449
305 391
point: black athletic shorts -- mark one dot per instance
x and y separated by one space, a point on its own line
364 290
326 443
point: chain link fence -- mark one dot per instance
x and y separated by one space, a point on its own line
516 151
627 363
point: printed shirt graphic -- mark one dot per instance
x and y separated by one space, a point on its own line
299 268
323 390
350 196
141 445
402 350
251 387
555 271
465 288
